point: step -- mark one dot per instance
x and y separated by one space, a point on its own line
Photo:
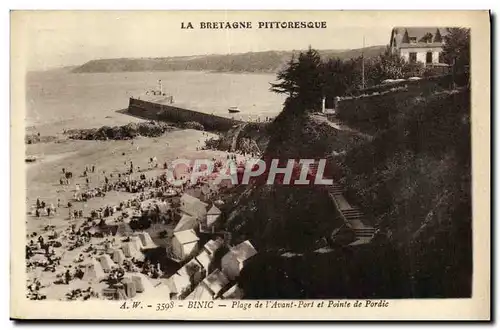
364 232
352 212
353 209
360 230
363 235
353 216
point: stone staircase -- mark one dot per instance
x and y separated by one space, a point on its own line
353 217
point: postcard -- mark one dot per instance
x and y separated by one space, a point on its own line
250 165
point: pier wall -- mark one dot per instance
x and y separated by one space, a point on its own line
169 113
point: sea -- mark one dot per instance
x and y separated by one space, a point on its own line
58 100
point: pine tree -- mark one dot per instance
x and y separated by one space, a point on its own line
302 80
456 49
437 36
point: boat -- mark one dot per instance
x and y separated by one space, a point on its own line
233 110
30 159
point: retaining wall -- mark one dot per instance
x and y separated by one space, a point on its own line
169 113
377 106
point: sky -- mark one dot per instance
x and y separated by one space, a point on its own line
51 39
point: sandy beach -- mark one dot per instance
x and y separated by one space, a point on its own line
109 158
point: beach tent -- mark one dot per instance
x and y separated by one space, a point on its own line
208 222
233 262
193 270
130 250
146 240
206 260
124 229
106 263
187 222
118 256
136 242
201 292
142 282
213 246
180 285
130 288
234 293
193 206
216 282
184 243
93 271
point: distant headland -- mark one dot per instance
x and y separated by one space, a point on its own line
263 62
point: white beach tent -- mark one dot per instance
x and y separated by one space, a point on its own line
106 263
93 271
146 240
118 256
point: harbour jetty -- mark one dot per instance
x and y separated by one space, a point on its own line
162 108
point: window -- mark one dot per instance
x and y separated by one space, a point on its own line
428 57
413 57
413 40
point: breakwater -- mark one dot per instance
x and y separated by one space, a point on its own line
169 113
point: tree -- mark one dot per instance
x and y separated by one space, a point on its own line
456 48
339 76
386 66
390 65
302 80
437 36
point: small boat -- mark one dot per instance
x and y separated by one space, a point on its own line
233 110
30 159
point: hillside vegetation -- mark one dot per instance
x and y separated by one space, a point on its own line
269 61
413 178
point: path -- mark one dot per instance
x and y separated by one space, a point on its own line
234 142
341 127
352 216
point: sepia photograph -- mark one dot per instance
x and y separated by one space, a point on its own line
241 157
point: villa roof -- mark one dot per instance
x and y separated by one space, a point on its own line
398 34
